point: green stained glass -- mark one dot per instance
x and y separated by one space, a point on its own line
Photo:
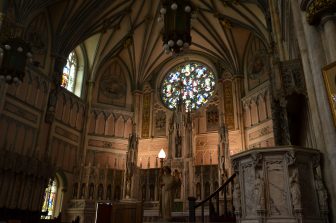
191 83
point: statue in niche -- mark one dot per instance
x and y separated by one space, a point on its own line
222 166
178 146
128 187
169 184
223 134
236 197
295 190
133 139
177 176
259 191
131 159
321 192
171 125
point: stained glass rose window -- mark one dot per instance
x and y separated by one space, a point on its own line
190 83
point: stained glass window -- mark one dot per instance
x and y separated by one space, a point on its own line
191 83
49 200
69 72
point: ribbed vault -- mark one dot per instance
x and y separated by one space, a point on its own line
129 30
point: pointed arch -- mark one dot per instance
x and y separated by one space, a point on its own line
110 124
120 125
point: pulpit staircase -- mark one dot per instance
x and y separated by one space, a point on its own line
214 210
221 210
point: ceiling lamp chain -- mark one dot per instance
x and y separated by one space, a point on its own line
176 33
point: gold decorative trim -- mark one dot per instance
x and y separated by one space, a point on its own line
317 8
329 75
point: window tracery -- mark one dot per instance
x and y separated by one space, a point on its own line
191 83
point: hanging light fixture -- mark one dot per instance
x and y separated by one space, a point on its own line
176 33
14 53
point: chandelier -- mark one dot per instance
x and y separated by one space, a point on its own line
14 53
176 33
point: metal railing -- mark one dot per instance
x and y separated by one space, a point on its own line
212 209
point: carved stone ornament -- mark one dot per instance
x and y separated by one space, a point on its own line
236 198
316 9
235 165
290 158
321 192
259 191
295 190
316 160
256 158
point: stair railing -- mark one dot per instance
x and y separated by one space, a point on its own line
193 205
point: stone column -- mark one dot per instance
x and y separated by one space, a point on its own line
239 91
313 60
329 30
137 110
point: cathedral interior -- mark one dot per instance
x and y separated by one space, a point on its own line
100 95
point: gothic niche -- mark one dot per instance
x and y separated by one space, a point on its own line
37 36
112 86
160 123
212 118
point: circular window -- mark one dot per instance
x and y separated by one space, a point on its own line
191 83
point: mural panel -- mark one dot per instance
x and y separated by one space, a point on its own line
113 86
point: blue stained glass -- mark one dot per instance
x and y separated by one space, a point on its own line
194 81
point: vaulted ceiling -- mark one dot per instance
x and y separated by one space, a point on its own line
129 30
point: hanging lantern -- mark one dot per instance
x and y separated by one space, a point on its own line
176 32
14 53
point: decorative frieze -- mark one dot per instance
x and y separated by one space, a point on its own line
66 134
111 144
19 112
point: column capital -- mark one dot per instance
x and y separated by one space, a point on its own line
317 9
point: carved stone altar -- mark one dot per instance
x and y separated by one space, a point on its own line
279 184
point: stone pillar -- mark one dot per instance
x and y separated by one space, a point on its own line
238 84
313 60
329 30
137 110
279 183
